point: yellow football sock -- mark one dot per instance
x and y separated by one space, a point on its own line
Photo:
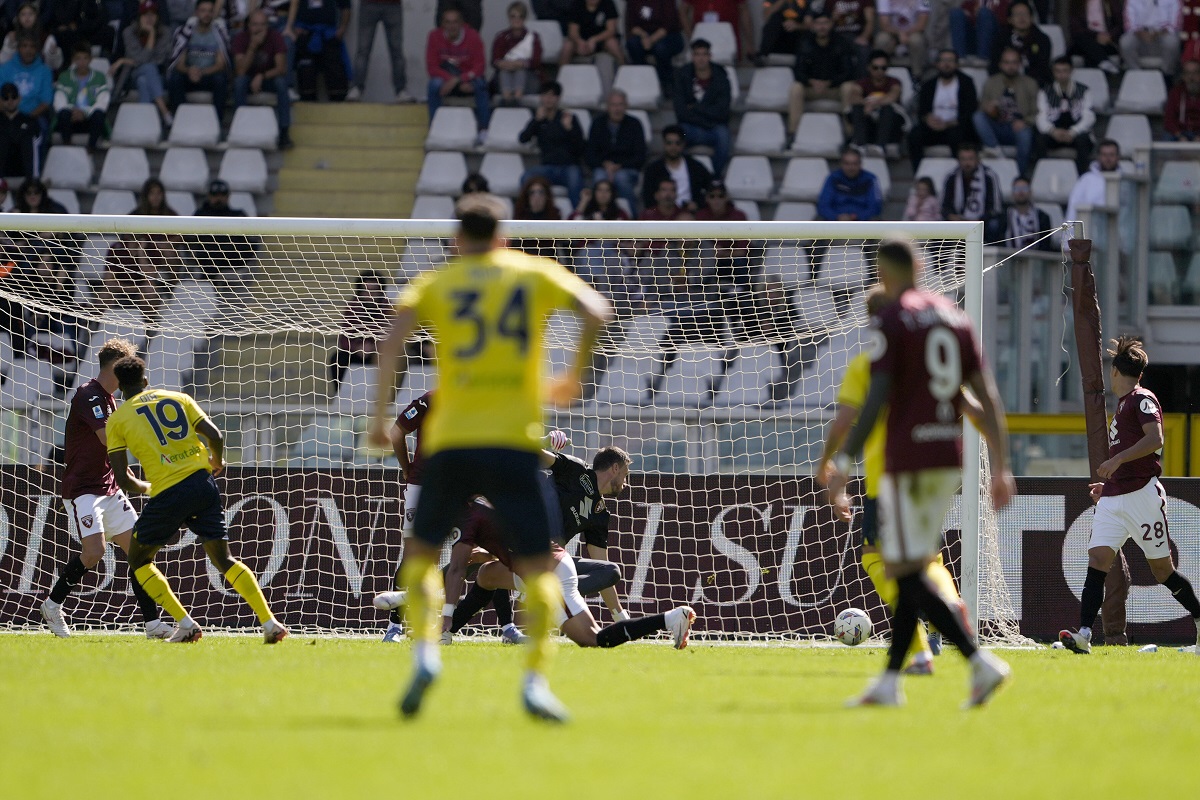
889 593
244 583
542 595
420 576
942 581
155 584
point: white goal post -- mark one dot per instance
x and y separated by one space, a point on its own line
718 377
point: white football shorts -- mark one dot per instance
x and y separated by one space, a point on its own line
912 508
1141 514
99 513
568 578
412 493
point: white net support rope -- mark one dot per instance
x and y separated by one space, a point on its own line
719 378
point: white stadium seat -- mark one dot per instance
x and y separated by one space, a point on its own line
749 178
503 172
254 126
936 169
584 117
550 34
1058 41
195 125
879 168
1172 228
906 85
803 179
244 169
819 135
1143 91
68 167
1054 211
1006 171
581 86
124 168
428 206
452 128
640 84
116 202
442 173
1191 281
185 169
795 212
720 36
137 124
788 262
504 129
1178 183
760 133
1130 131
1162 280
978 76
1053 179
245 202
769 89
1097 82
749 208
182 203
68 199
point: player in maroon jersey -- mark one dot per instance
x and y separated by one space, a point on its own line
412 466
924 355
1130 502
480 532
101 511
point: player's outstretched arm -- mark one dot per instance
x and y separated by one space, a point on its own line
391 371
843 421
215 443
596 312
994 428
129 483
400 448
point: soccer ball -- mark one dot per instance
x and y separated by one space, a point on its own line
852 626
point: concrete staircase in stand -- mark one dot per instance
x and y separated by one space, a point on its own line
352 160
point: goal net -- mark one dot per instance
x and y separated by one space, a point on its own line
719 377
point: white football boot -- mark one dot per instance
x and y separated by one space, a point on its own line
157 629
1075 642
274 632
52 613
679 623
988 673
540 702
389 601
883 691
513 636
186 633
394 633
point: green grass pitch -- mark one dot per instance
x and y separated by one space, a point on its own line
102 716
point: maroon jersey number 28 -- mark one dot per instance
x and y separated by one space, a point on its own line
927 345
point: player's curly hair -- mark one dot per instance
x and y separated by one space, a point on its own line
115 349
130 371
608 456
1128 356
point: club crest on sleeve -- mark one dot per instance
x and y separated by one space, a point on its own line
86 521
876 345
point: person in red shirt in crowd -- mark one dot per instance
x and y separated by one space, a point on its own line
658 258
652 28
735 12
260 64
1181 114
456 64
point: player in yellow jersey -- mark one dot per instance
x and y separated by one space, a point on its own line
487 308
856 381
180 451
